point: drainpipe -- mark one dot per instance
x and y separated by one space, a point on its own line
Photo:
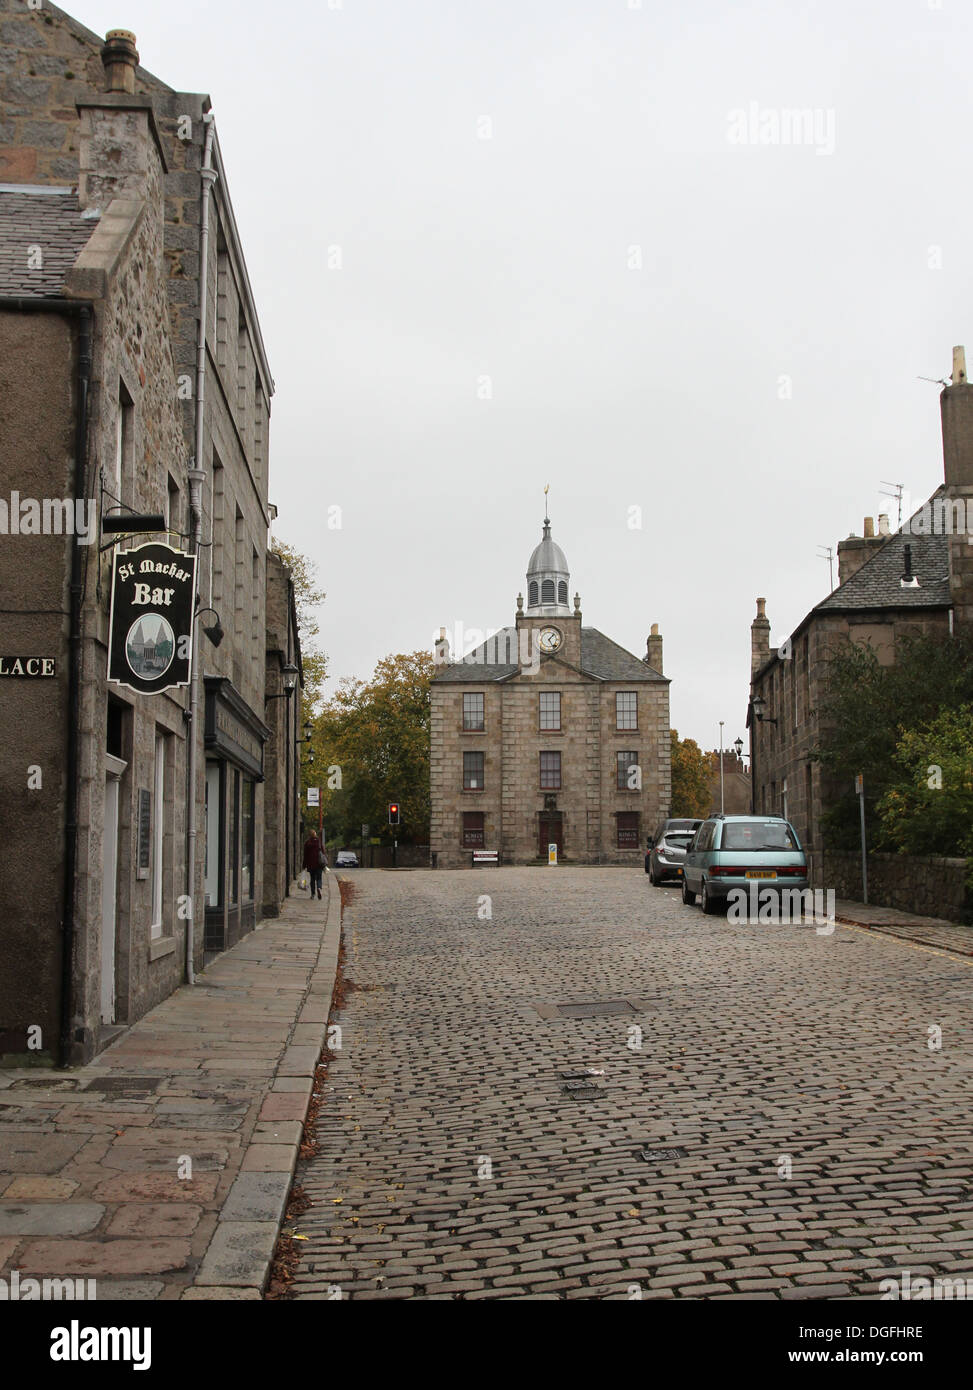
197 475
84 311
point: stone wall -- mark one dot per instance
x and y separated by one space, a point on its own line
927 885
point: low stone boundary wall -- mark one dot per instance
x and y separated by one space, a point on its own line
929 886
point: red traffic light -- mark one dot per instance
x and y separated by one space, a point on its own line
393 813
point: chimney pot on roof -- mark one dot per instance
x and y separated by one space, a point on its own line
959 365
120 58
868 529
883 524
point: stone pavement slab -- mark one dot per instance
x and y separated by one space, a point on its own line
929 931
162 1169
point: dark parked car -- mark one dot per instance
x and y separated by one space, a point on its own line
666 849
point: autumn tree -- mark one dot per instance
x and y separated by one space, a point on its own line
307 595
373 736
691 774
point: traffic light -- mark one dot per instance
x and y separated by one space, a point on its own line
393 813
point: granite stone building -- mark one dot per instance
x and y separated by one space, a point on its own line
914 581
548 733
133 379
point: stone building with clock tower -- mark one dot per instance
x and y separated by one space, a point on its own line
548 733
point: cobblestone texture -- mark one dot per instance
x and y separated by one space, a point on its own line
759 1044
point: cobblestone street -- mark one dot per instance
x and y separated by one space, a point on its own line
820 1144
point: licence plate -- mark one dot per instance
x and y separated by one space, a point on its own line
761 873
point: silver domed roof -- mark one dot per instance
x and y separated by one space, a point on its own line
548 557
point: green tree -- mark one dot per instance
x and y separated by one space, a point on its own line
865 710
929 807
377 734
691 773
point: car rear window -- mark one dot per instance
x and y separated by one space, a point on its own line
679 839
759 836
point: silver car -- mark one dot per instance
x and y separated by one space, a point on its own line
666 849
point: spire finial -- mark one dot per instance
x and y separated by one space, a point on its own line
547 519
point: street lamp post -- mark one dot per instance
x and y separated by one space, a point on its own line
721 767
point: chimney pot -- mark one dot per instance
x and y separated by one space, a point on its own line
959 365
868 530
120 58
883 524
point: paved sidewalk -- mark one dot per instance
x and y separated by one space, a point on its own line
929 931
161 1170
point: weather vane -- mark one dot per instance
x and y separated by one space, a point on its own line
547 488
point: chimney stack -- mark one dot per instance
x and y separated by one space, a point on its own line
956 407
120 58
759 637
853 552
653 649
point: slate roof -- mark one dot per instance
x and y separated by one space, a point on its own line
876 584
496 660
50 220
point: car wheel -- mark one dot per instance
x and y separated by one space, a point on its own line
688 896
707 902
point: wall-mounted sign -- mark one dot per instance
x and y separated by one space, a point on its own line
29 667
144 833
150 641
314 796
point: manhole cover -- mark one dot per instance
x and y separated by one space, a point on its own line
124 1083
596 1008
660 1155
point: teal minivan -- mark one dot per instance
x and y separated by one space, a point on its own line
742 852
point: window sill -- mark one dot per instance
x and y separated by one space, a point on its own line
473 791
472 731
162 946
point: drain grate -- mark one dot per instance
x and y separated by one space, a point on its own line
581 1090
596 1009
660 1155
53 1083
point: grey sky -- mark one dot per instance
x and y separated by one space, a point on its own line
508 257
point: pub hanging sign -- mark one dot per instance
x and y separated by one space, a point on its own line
150 640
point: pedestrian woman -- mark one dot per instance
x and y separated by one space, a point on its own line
314 861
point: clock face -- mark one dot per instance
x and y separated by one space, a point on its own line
550 639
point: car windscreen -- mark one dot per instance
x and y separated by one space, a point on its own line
758 836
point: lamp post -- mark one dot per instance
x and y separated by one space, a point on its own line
721 767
